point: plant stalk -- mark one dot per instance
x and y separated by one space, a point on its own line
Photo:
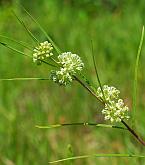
123 122
88 89
133 133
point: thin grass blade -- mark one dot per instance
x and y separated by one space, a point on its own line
79 124
25 27
42 29
13 49
21 43
136 77
21 79
87 82
97 156
22 53
96 71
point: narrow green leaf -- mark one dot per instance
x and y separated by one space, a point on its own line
9 47
42 29
136 77
25 78
79 124
96 71
25 27
22 53
97 155
18 42
49 126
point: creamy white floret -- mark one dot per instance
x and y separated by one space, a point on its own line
71 62
42 51
115 110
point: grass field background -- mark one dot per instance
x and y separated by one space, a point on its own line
115 29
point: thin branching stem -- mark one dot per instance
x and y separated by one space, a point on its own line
123 122
134 133
87 88
55 61
96 71
80 124
97 155
76 78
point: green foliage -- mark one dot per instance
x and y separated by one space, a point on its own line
114 27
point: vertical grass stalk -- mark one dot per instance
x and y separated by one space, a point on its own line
135 79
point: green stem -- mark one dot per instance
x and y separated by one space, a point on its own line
54 61
123 122
18 42
25 78
88 89
80 124
135 77
44 32
97 155
96 71
25 27
134 133
13 49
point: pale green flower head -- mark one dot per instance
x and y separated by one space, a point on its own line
42 52
114 110
71 62
109 92
62 77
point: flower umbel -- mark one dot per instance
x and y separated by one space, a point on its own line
62 77
41 52
70 64
109 92
114 110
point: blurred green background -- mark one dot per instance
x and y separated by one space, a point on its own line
115 28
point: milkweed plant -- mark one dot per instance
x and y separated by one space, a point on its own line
68 67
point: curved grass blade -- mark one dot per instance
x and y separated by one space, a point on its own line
98 156
42 29
79 124
135 77
28 31
96 71
21 43
9 47
15 50
23 78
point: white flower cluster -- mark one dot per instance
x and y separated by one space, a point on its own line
109 92
72 62
61 77
70 65
41 52
114 110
